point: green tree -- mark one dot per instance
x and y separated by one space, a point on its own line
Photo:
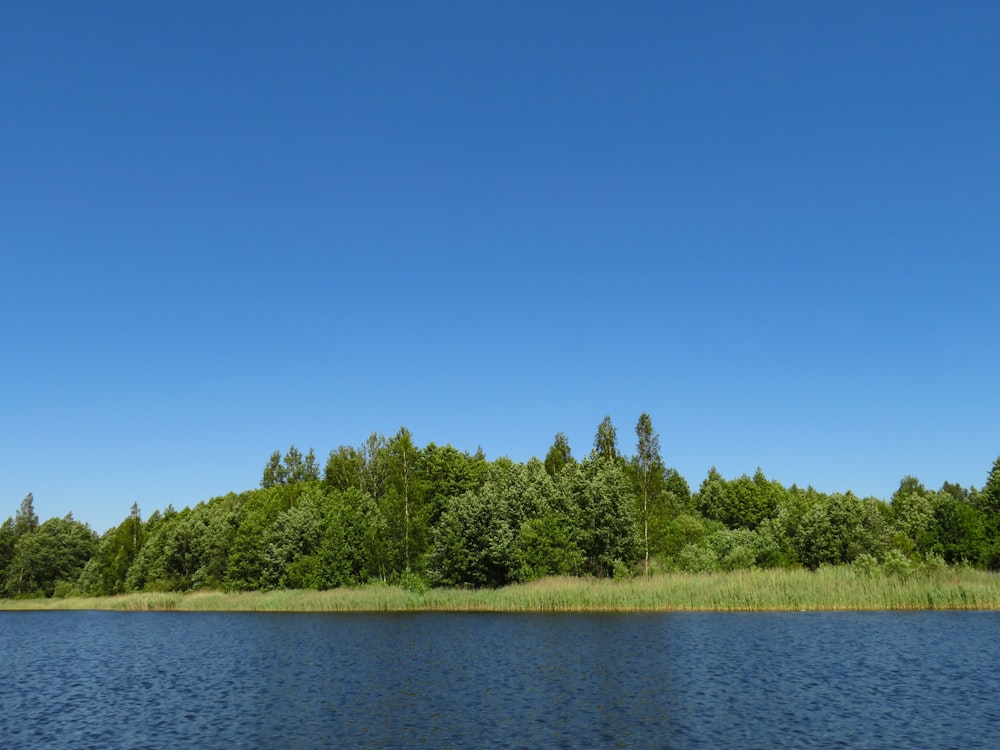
648 469
710 500
294 534
546 546
274 472
55 552
677 493
107 570
959 536
257 510
600 501
743 503
988 499
189 549
449 473
476 540
988 504
8 538
404 499
26 520
838 529
299 468
344 469
375 474
913 517
606 440
352 549
559 455
291 469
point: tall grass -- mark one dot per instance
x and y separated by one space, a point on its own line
834 588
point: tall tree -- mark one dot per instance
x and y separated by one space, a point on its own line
299 468
274 472
606 440
599 497
8 538
294 468
106 571
405 494
26 520
53 553
375 474
649 474
989 498
988 502
559 455
912 516
344 468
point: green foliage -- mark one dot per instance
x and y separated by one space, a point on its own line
897 564
913 514
866 565
959 531
292 469
742 503
107 571
404 505
187 549
352 549
476 541
8 539
685 530
391 513
676 492
839 529
344 468
449 473
647 468
545 547
559 455
697 558
256 511
294 536
988 504
26 520
602 507
606 440
57 550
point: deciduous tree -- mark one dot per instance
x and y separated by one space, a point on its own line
606 440
648 467
559 455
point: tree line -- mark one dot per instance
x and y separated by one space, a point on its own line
388 510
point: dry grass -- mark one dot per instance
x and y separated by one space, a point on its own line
838 588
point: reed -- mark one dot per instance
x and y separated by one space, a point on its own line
833 588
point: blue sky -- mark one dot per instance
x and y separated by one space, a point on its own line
229 227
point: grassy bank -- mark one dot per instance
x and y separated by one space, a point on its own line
840 588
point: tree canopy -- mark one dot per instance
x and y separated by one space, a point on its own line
390 510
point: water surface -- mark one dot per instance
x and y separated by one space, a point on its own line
676 680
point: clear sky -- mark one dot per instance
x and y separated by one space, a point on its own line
228 227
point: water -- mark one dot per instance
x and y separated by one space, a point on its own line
768 680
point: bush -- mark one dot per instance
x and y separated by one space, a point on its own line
412 582
64 589
866 566
697 559
897 564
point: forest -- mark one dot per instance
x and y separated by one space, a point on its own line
388 510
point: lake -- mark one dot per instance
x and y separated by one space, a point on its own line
676 680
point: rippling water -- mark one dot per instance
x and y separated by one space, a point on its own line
768 680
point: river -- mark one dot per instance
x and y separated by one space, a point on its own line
675 680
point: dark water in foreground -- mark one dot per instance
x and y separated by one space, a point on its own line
225 680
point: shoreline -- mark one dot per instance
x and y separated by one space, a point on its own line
840 588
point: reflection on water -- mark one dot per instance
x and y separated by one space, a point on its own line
207 680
